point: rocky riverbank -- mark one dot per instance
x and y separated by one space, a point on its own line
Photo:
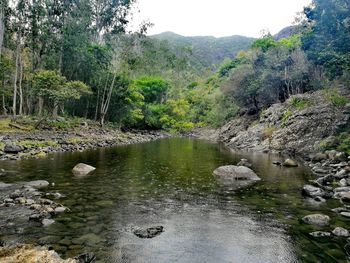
16 145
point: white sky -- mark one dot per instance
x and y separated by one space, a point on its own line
218 17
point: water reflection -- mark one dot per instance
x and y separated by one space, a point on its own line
167 182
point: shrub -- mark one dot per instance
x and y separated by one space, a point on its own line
335 98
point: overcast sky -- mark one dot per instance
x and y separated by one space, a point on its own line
218 17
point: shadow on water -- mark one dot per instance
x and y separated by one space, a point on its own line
169 182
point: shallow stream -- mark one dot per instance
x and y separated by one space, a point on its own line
169 182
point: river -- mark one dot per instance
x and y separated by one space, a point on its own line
169 182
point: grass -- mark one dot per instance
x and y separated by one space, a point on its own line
286 115
36 144
339 143
299 103
335 98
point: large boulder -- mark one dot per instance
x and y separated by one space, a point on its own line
316 219
12 148
235 175
83 169
290 163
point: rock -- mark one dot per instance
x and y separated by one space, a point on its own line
86 258
12 148
37 184
342 189
277 163
82 169
320 234
30 202
340 209
341 174
3 185
290 163
345 197
320 199
244 162
319 157
35 217
316 219
343 183
149 232
60 209
47 222
340 232
312 191
345 214
238 176
9 200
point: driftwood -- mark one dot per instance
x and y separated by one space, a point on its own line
17 126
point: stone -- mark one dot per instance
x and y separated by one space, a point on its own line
244 162
312 191
343 182
86 257
149 232
340 232
12 148
342 189
345 197
47 222
316 219
60 209
82 169
236 176
319 157
9 200
345 214
38 184
3 185
320 234
341 174
290 163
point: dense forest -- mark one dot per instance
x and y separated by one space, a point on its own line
77 59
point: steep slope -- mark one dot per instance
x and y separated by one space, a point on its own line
207 51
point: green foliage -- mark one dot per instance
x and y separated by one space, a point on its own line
152 88
335 97
340 143
265 43
286 115
299 103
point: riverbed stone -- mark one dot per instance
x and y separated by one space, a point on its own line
244 162
318 157
320 234
345 214
149 232
12 148
82 169
312 191
47 222
316 219
38 184
290 163
340 232
60 209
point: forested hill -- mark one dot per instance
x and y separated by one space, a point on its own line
207 51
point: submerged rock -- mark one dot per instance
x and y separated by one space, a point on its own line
47 222
320 234
82 169
37 184
86 258
340 232
235 174
149 232
316 219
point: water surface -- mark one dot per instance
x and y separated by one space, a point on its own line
169 182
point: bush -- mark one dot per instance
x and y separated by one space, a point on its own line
299 103
335 98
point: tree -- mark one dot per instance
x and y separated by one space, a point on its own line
327 41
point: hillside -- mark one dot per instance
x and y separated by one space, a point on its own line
207 51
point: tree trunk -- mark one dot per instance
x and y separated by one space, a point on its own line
18 51
20 87
105 104
2 24
55 110
40 106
